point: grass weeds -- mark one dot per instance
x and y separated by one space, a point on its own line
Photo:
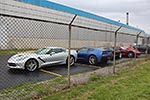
129 84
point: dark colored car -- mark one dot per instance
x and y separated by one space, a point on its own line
148 51
129 51
118 52
94 55
142 48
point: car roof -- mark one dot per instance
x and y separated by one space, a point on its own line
97 48
55 47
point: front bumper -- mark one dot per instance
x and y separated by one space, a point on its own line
16 65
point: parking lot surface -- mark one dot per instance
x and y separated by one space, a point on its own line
9 77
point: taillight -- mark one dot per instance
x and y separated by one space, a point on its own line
105 52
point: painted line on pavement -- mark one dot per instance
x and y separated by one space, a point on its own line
59 75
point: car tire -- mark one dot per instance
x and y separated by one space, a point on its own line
31 65
92 60
120 55
72 61
130 55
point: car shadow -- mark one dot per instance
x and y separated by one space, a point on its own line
20 71
98 65
53 67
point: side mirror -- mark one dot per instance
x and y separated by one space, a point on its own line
52 53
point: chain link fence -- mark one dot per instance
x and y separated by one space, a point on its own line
26 31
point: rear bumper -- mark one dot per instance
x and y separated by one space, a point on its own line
106 58
138 54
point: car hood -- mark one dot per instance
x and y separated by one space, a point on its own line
22 56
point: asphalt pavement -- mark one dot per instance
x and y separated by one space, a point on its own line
12 77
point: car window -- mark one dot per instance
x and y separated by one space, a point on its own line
90 49
43 51
109 48
143 46
57 50
136 46
123 48
83 50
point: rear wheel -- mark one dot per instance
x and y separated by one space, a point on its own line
92 60
31 65
130 54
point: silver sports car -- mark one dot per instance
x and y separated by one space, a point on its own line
42 57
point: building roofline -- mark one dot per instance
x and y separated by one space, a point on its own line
147 35
56 6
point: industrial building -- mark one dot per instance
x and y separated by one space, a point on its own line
40 23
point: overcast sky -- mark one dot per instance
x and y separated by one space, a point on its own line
139 10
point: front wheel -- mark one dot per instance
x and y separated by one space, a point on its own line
31 65
92 60
72 61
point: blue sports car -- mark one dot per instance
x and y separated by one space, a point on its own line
94 55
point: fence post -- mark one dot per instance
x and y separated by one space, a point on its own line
69 48
114 58
137 37
147 42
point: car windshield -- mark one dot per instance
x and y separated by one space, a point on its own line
124 48
43 51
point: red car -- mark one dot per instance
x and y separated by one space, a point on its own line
129 52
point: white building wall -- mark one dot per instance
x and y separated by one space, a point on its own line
31 32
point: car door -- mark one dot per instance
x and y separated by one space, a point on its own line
57 56
82 53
